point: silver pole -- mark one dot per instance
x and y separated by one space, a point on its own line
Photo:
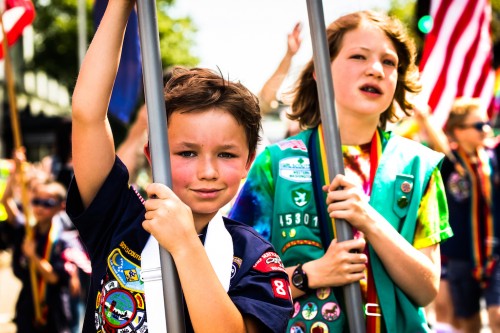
322 67
160 155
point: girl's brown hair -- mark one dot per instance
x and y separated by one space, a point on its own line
305 105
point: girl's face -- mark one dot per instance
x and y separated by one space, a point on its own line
473 131
209 157
365 72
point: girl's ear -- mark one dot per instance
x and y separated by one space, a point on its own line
147 152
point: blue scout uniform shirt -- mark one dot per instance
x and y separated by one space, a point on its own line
111 228
460 194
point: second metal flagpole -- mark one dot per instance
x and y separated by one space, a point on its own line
160 154
322 67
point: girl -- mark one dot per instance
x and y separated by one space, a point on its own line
392 193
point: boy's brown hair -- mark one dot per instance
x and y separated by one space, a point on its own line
305 106
460 109
200 89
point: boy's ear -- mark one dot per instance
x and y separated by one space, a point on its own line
250 160
147 152
314 76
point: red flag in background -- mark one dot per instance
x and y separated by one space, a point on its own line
17 15
457 55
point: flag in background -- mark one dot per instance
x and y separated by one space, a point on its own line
457 56
18 15
128 82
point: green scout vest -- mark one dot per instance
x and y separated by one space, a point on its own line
399 185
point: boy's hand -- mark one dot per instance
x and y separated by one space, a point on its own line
168 219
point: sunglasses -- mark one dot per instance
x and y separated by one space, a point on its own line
479 126
46 203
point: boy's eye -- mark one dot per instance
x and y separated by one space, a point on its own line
187 154
227 155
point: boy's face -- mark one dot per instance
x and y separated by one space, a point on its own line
209 157
473 132
45 204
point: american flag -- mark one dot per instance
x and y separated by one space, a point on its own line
457 56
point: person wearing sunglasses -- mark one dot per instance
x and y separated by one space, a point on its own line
472 181
44 253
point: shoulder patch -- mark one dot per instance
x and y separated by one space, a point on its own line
292 144
126 272
295 169
269 262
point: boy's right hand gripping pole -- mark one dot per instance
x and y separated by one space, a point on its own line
322 66
160 155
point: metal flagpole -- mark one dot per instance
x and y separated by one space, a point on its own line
160 155
322 67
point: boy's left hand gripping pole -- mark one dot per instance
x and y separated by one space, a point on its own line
160 155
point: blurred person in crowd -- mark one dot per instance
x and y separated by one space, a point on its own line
419 127
59 167
41 249
472 180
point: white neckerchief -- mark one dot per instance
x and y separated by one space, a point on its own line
219 249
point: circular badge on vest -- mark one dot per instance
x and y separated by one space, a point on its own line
323 293
319 327
406 187
458 186
298 327
119 308
309 311
330 311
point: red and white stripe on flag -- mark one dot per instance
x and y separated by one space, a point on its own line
18 15
457 56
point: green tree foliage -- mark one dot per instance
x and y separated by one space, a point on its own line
56 38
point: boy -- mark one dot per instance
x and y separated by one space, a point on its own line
213 129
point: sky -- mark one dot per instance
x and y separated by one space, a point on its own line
247 39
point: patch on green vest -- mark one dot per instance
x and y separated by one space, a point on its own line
301 197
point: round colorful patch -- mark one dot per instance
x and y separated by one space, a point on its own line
330 311
323 293
309 311
298 327
296 309
319 327
119 308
